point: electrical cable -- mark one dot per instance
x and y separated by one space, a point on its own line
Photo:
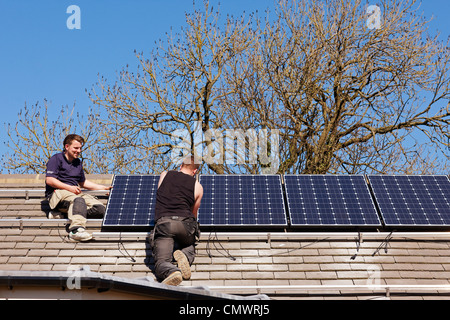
229 256
118 247
208 250
384 244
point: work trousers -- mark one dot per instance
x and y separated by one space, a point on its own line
170 234
78 207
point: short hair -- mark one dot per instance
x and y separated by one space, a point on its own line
71 137
189 162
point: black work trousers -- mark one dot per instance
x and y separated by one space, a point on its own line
170 234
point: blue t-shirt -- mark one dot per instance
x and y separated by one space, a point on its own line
59 167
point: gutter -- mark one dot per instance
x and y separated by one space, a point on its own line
85 279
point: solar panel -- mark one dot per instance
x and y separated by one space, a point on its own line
242 200
419 200
132 201
330 200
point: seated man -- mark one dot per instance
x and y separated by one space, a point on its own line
177 202
64 180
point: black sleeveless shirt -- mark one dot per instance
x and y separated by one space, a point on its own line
175 195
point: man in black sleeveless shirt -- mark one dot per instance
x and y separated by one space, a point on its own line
177 202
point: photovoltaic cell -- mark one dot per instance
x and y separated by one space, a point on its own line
242 200
419 200
315 200
330 200
132 201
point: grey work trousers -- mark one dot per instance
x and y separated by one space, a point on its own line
64 201
170 234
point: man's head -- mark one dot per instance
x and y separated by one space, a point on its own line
189 166
72 146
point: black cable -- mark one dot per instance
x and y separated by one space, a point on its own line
121 243
208 250
358 244
229 256
384 243
66 236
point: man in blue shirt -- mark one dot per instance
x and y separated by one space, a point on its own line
64 180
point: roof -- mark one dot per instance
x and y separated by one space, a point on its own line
228 265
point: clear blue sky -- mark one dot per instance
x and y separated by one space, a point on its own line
42 59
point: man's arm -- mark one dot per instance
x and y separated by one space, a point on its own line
55 183
161 177
198 194
87 184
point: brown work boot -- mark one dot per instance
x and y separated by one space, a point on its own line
183 264
173 279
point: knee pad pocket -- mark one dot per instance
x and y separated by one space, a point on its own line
97 211
79 207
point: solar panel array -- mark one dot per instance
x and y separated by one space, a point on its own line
242 200
412 200
330 200
302 200
131 201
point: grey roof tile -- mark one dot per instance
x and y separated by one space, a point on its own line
280 267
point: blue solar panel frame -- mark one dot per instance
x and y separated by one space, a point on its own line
330 201
131 202
235 200
412 200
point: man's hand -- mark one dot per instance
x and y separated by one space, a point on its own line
74 189
108 188
55 183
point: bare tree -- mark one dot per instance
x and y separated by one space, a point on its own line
348 88
177 88
346 97
37 136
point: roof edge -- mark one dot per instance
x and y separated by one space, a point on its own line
84 278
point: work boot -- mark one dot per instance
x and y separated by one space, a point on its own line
183 264
173 279
80 234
